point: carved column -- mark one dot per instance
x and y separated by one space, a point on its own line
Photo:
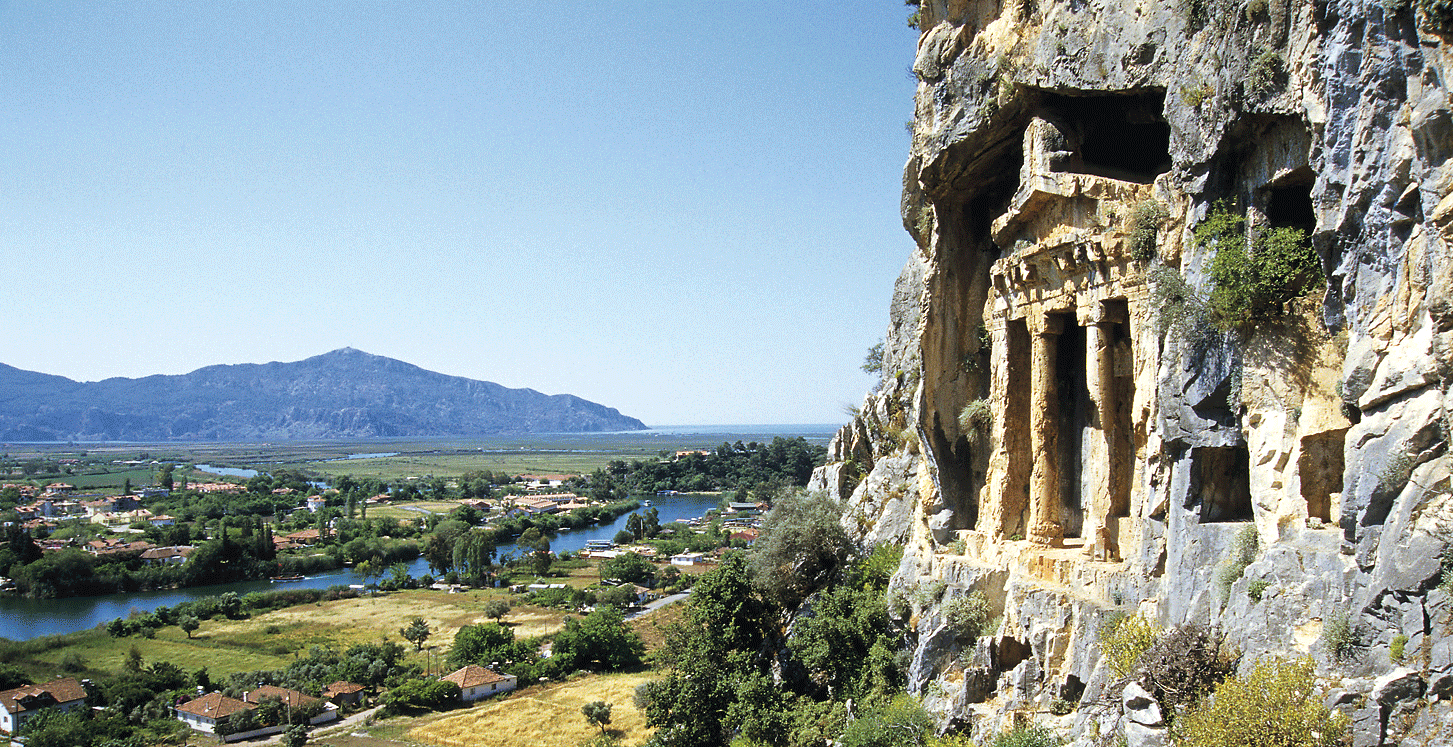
1100 378
1044 495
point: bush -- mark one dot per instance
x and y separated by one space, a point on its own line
1027 736
421 694
1183 665
1342 638
1252 284
1178 307
1124 639
975 419
900 723
1143 224
1243 553
1267 73
1399 648
969 615
1273 704
1256 588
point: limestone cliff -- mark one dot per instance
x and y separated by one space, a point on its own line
1061 427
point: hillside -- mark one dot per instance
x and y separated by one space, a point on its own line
343 394
1174 341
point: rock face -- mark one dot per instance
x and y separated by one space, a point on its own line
1060 425
343 394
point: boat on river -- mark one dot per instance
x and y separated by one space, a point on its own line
286 579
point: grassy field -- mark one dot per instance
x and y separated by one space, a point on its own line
568 453
456 464
546 716
271 640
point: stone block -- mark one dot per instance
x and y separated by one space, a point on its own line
1397 686
1140 735
1140 706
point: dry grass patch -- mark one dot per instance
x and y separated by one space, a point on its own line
543 717
652 628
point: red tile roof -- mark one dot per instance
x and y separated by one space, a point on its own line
473 676
291 698
214 706
32 697
341 687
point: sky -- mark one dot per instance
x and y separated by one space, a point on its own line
684 210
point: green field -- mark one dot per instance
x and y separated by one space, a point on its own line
568 453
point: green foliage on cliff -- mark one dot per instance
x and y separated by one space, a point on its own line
1276 703
1143 225
1252 283
1243 553
1124 639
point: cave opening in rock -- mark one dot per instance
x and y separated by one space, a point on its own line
1016 414
1118 136
1007 653
1074 409
1222 476
1320 469
1288 202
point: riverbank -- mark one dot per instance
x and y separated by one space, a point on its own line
25 619
270 640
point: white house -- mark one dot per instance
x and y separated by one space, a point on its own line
476 682
20 703
688 558
202 714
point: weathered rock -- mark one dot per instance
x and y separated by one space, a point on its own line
1086 439
1396 687
1140 735
1440 668
1140 706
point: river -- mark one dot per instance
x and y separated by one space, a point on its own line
22 619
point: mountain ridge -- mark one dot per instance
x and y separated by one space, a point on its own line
344 393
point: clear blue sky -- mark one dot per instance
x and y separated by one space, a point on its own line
684 210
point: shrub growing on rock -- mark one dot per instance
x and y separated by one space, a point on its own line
1251 284
969 616
1124 639
1274 704
1183 665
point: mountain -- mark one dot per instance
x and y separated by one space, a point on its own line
343 394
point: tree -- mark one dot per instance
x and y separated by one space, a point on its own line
802 546
12 676
873 361
540 562
189 624
133 659
480 644
416 632
295 736
630 567
597 713
497 609
599 641
474 554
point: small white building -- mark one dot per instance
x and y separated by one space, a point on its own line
202 713
688 558
476 682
